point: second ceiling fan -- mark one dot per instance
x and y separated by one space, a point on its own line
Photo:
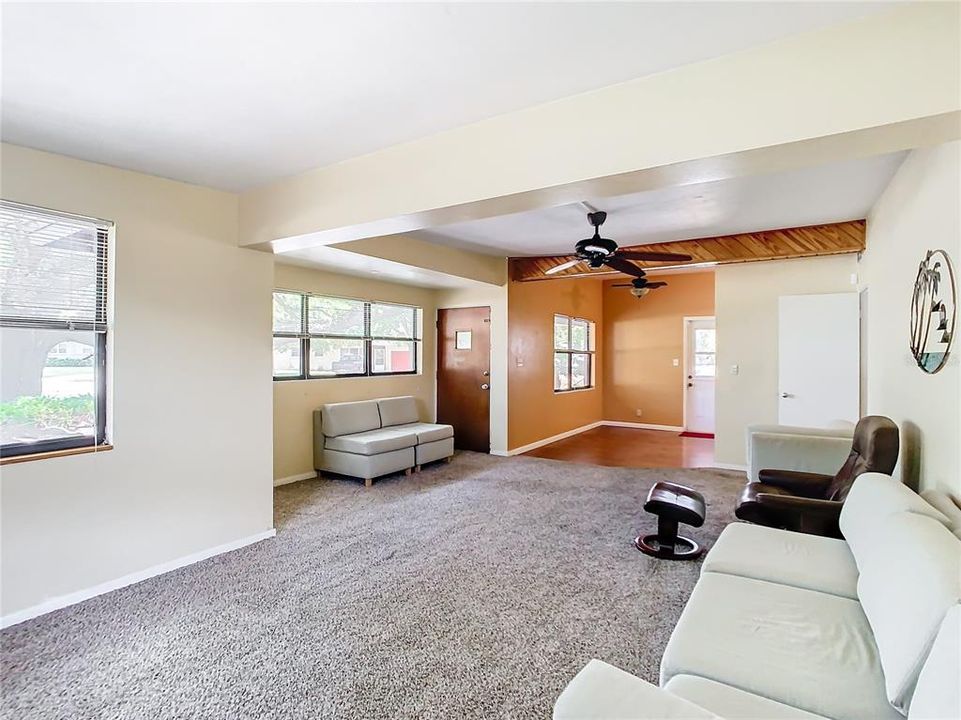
597 251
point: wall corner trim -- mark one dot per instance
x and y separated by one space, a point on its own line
548 440
62 601
296 478
730 466
642 426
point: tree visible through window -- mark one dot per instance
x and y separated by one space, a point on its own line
573 353
317 336
53 327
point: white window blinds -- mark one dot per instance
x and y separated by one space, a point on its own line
53 269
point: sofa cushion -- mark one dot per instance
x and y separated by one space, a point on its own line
397 410
373 442
350 417
802 648
429 432
603 692
872 498
805 561
906 588
946 505
938 693
730 702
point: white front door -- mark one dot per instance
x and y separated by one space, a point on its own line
818 359
700 369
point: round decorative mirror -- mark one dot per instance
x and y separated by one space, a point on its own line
933 311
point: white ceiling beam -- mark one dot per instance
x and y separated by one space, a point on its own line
887 82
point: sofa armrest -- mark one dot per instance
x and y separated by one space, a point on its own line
603 692
805 484
823 454
807 515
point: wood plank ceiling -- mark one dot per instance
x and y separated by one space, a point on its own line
831 239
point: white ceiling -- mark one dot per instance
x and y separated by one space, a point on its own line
236 95
827 193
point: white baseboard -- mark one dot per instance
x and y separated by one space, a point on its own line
548 440
642 426
295 478
73 598
729 466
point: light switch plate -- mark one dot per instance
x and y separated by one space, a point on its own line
735 369
675 362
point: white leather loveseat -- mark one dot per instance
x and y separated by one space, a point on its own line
785 626
371 438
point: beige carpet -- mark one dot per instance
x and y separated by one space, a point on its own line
472 590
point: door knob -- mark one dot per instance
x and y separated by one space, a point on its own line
485 386
690 384
486 373
786 395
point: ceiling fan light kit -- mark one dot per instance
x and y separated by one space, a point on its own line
597 251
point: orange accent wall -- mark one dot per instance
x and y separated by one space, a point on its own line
535 411
641 338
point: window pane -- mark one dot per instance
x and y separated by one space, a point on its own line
579 334
287 357
392 356
48 385
336 316
580 371
287 312
562 332
561 381
332 356
704 340
704 364
395 321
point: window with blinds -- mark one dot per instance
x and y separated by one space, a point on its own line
53 330
318 336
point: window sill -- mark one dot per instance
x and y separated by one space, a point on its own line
13 460
349 377
575 390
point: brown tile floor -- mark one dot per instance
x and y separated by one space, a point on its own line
630 447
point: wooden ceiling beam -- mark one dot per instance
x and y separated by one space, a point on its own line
782 244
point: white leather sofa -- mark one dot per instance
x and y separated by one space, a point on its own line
371 438
786 447
784 626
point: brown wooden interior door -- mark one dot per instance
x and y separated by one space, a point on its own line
463 375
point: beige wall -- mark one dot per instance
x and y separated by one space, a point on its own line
191 391
536 411
641 340
746 306
920 210
494 297
295 400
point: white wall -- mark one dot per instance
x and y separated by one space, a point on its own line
920 210
746 307
192 398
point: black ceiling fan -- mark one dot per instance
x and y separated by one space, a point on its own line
597 251
641 286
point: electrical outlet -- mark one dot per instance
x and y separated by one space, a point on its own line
675 362
638 412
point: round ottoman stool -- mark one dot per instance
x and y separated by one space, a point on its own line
672 504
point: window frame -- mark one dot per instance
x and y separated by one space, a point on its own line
99 439
367 338
570 352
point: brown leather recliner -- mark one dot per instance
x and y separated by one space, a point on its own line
810 502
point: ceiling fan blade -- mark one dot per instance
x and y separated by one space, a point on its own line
565 266
621 265
656 284
622 285
653 256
